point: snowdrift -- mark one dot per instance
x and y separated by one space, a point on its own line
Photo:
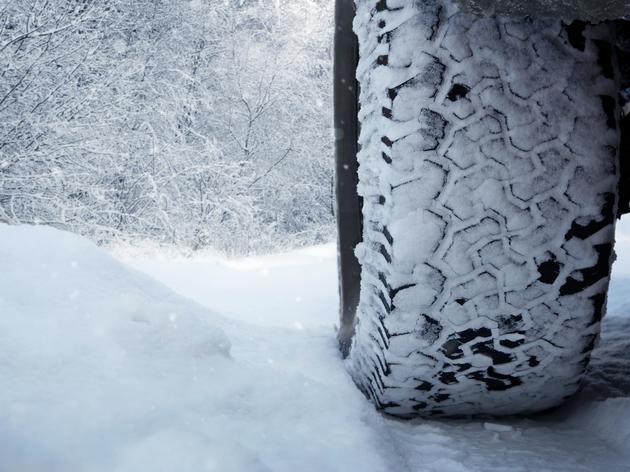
105 369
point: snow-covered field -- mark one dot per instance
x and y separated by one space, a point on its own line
172 364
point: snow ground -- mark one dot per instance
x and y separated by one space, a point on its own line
105 369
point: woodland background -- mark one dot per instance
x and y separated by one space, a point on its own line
191 123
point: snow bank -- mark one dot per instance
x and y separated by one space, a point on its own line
608 375
58 285
608 419
104 369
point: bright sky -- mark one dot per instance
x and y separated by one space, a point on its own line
621 268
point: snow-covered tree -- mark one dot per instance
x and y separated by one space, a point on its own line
199 123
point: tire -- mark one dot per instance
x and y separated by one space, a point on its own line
488 168
348 210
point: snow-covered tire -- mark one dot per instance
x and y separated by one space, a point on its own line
488 170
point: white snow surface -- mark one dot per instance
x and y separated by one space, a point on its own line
103 368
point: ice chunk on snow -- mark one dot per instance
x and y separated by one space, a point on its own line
497 428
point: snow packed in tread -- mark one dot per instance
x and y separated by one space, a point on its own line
497 192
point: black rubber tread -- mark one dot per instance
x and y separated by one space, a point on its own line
488 168
622 52
348 208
